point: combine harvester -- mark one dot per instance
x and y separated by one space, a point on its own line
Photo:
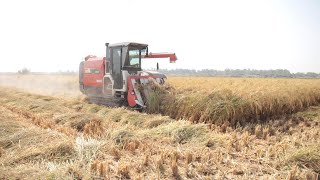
118 79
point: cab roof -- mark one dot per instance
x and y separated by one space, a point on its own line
127 44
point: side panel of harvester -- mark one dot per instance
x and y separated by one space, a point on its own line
93 72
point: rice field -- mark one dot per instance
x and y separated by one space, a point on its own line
212 100
237 101
50 134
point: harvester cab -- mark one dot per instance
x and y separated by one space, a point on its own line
118 78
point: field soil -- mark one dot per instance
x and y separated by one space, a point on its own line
53 133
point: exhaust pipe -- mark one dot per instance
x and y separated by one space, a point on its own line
107 51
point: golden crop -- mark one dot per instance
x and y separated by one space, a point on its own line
238 100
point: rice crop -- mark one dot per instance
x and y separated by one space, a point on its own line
238 100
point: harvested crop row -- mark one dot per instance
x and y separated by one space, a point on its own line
48 113
238 100
74 113
23 143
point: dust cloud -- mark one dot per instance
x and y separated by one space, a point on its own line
65 86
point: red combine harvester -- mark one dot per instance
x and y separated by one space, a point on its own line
118 79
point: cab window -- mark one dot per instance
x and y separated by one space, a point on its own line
134 58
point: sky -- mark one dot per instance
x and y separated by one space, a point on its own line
49 36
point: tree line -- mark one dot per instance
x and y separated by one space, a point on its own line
276 73
273 73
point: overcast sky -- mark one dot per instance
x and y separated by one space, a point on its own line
261 34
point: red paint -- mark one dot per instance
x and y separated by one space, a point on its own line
91 66
171 56
132 97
